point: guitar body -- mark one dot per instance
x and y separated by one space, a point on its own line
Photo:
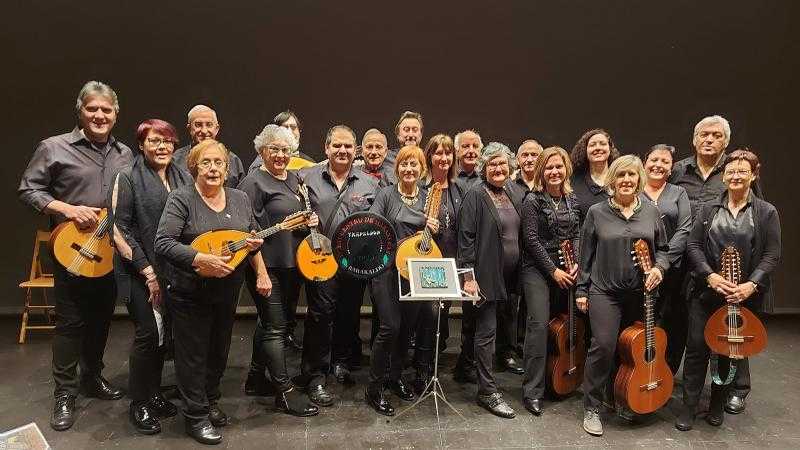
85 253
562 378
216 243
411 247
643 382
746 337
316 265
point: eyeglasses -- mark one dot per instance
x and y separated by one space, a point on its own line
156 142
207 163
740 172
273 150
497 164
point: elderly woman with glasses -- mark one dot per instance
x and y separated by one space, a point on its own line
201 289
488 242
609 286
274 194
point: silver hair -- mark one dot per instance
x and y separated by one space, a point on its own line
711 120
530 141
196 109
96 88
493 150
272 133
373 131
459 136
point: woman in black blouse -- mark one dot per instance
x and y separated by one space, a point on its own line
676 212
738 219
274 194
550 215
609 286
590 157
201 289
136 203
404 206
488 242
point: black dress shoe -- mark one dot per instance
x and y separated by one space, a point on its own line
99 387
296 403
374 396
63 412
685 420
143 418
495 404
319 395
293 342
217 416
203 432
465 375
534 405
735 404
716 408
510 364
401 389
162 407
342 374
257 385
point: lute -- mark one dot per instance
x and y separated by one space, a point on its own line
314 255
87 253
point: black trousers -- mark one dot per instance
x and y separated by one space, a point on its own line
504 335
84 307
333 314
202 335
608 314
466 359
506 325
269 336
485 318
672 313
147 352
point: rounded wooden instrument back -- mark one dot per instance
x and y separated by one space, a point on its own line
410 248
65 242
746 326
214 242
313 265
636 372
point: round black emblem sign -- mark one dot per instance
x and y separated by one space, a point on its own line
364 245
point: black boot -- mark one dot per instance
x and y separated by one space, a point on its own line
143 418
217 416
296 403
716 407
63 412
685 419
203 431
401 389
98 387
374 397
162 407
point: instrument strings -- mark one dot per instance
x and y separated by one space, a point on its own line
89 247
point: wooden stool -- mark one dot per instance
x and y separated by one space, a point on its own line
37 280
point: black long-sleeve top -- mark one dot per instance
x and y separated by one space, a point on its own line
447 237
186 216
136 202
272 200
406 220
607 239
544 228
764 254
676 212
587 191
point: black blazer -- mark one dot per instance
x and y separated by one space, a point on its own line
766 251
479 235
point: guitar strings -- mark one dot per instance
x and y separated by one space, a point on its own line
90 245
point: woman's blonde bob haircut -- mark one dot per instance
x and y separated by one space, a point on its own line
197 151
623 163
541 162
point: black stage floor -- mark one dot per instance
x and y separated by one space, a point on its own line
771 419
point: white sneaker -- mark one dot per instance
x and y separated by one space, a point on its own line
591 422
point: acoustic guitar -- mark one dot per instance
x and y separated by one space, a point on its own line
86 253
314 256
421 244
733 330
233 243
567 354
644 380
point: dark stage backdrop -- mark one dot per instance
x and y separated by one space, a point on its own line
646 71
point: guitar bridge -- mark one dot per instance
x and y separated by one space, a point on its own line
735 339
572 370
650 386
85 253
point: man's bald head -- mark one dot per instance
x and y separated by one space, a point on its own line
202 123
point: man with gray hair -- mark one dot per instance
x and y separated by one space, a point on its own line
68 178
468 146
374 148
526 161
202 124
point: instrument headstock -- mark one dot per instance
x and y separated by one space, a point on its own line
731 264
566 254
641 255
434 200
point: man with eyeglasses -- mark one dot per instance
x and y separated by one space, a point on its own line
202 124
336 190
68 178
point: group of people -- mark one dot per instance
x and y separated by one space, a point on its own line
503 214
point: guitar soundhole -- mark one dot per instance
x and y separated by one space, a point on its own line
649 354
735 319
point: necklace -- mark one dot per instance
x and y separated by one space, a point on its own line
409 200
556 204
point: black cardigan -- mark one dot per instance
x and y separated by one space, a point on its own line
539 236
479 237
766 251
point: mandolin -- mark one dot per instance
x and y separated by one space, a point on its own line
644 380
733 330
85 253
567 346
234 243
421 244
314 256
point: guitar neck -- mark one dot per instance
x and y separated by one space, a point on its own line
649 320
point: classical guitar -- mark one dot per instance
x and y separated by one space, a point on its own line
86 253
421 244
567 353
314 255
644 380
234 243
733 330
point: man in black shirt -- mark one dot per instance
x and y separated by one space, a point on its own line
408 130
526 159
202 124
468 146
68 178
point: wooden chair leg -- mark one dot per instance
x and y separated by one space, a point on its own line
23 326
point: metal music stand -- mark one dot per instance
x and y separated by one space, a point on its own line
440 283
